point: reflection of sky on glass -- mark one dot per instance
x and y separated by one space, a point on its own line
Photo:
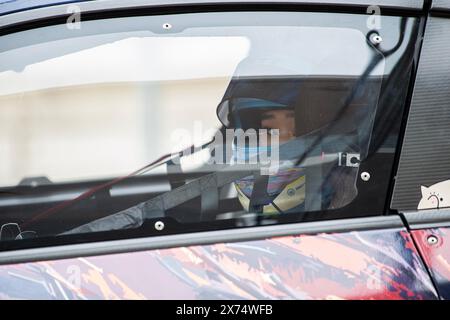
270 51
132 59
131 102
307 51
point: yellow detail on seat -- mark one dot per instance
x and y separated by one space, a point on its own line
292 196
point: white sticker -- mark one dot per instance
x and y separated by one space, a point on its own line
436 196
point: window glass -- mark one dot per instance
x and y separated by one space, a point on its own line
193 117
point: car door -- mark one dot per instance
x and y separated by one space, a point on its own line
83 104
332 264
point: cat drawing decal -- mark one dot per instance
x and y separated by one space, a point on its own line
436 196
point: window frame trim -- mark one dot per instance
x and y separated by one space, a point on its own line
199 238
92 10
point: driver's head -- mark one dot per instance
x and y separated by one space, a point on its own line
311 124
283 120
285 186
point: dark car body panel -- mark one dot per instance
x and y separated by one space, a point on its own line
426 147
12 6
426 150
440 5
54 10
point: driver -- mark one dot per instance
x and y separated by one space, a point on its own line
302 116
277 103
285 189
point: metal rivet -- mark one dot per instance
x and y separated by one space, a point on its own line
432 240
291 192
167 26
159 225
365 176
376 39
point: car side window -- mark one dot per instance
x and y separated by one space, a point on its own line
196 120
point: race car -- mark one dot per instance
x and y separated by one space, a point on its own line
206 149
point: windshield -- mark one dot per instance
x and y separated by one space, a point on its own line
279 108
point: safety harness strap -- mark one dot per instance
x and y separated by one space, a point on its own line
259 196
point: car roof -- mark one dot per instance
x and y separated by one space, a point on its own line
13 12
11 6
